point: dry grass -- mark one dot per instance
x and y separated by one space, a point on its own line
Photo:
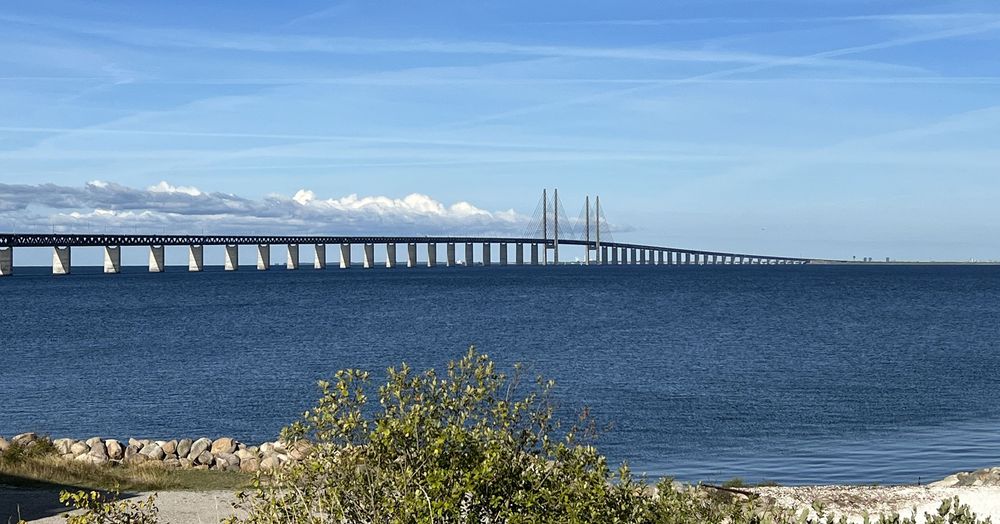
46 470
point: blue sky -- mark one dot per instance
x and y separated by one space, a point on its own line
826 128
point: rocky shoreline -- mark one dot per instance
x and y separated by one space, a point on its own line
220 454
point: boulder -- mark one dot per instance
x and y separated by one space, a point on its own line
223 445
299 450
115 451
172 463
130 451
270 463
198 447
184 447
25 439
205 459
62 445
134 442
185 463
136 458
200 467
98 449
79 448
4 445
249 465
93 441
229 458
92 459
153 451
245 454
267 449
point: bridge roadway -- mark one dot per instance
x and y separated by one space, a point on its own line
606 252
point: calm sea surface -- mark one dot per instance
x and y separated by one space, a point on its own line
793 374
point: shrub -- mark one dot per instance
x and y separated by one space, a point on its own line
101 508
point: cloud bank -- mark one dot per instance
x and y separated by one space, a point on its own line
102 206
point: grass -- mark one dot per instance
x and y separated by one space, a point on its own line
42 468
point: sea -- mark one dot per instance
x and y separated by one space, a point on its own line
814 374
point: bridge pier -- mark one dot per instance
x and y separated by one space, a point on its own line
319 261
487 254
432 254
232 262
196 258
503 253
112 259
263 257
368 260
534 254
642 256
345 255
519 254
450 254
390 255
6 261
61 260
470 259
156 259
292 262
411 255
614 256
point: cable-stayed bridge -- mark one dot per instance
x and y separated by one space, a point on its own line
549 230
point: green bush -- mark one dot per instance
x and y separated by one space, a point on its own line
475 446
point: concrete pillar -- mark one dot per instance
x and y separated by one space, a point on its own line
470 259
369 255
604 255
263 257
450 249
232 262
411 255
487 254
519 254
6 261
293 257
319 261
61 260
156 259
345 256
196 258
503 253
642 256
390 255
432 254
534 254
614 255
634 256
112 259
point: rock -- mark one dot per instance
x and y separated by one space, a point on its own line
130 451
25 439
270 463
172 463
267 449
223 445
92 459
153 451
245 454
184 447
230 459
62 445
249 465
79 448
4 445
299 450
115 451
205 459
93 441
198 447
185 463
98 449
134 442
200 467
136 459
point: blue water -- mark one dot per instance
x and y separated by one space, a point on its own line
797 374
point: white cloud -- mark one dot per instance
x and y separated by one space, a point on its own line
107 206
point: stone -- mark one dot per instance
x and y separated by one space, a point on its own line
136 459
4 445
62 445
200 467
250 465
223 445
205 458
98 449
185 463
229 458
153 451
79 448
267 448
92 459
93 441
245 454
184 447
198 447
115 451
270 463
172 463
130 451
25 439
134 442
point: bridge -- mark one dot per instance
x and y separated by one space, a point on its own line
539 246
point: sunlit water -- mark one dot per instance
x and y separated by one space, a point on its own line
793 374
